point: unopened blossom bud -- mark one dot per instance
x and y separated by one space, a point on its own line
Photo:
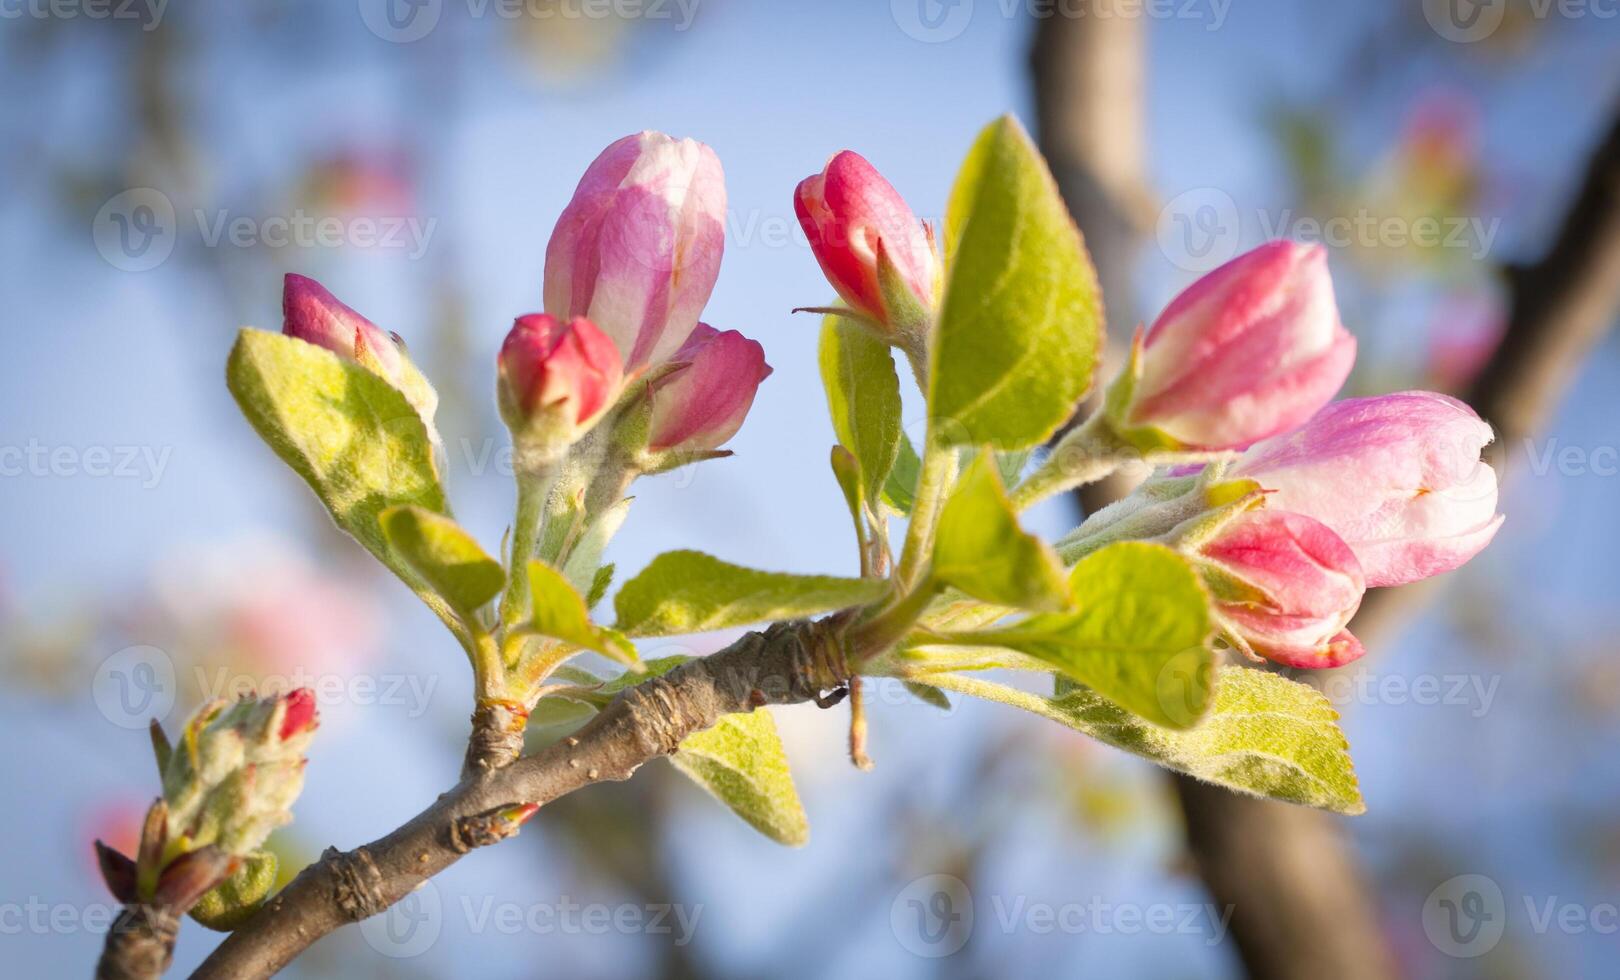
312 314
1398 477
1249 350
638 248
228 782
1285 586
233 776
556 378
871 247
701 405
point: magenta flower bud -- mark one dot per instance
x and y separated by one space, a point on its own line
863 234
312 314
1250 350
557 377
698 407
1398 477
299 715
1286 586
638 248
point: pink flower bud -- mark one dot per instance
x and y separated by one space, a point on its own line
638 248
855 221
300 713
560 375
1286 585
1398 477
703 404
313 314
1250 350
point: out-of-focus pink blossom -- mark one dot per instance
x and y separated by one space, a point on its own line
1398 477
1287 586
565 375
638 248
703 404
855 220
1249 350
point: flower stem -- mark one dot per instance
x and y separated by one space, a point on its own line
938 473
532 491
1087 454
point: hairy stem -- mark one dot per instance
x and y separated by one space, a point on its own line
785 664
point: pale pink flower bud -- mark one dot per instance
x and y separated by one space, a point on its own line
1285 585
312 314
1250 350
560 376
700 406
856 221
638 248
1398 477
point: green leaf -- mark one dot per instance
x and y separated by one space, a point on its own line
847 471
1266 735
1141 635
1022 319
863 396
560 612
444 556
352 437
742 763
690 592
980 549
900 490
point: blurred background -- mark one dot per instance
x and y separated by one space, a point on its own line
165 164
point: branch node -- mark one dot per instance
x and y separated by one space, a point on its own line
357 883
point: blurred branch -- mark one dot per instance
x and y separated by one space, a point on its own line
782 665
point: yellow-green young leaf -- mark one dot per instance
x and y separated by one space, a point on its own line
741 762
1140 635
847 471
560 612
980 549
233 901
444 556
1266 735
863 396
1022 318
352 437
690 592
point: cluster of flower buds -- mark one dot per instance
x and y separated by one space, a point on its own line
883 262
629 268
229 782
312 314
1325 499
